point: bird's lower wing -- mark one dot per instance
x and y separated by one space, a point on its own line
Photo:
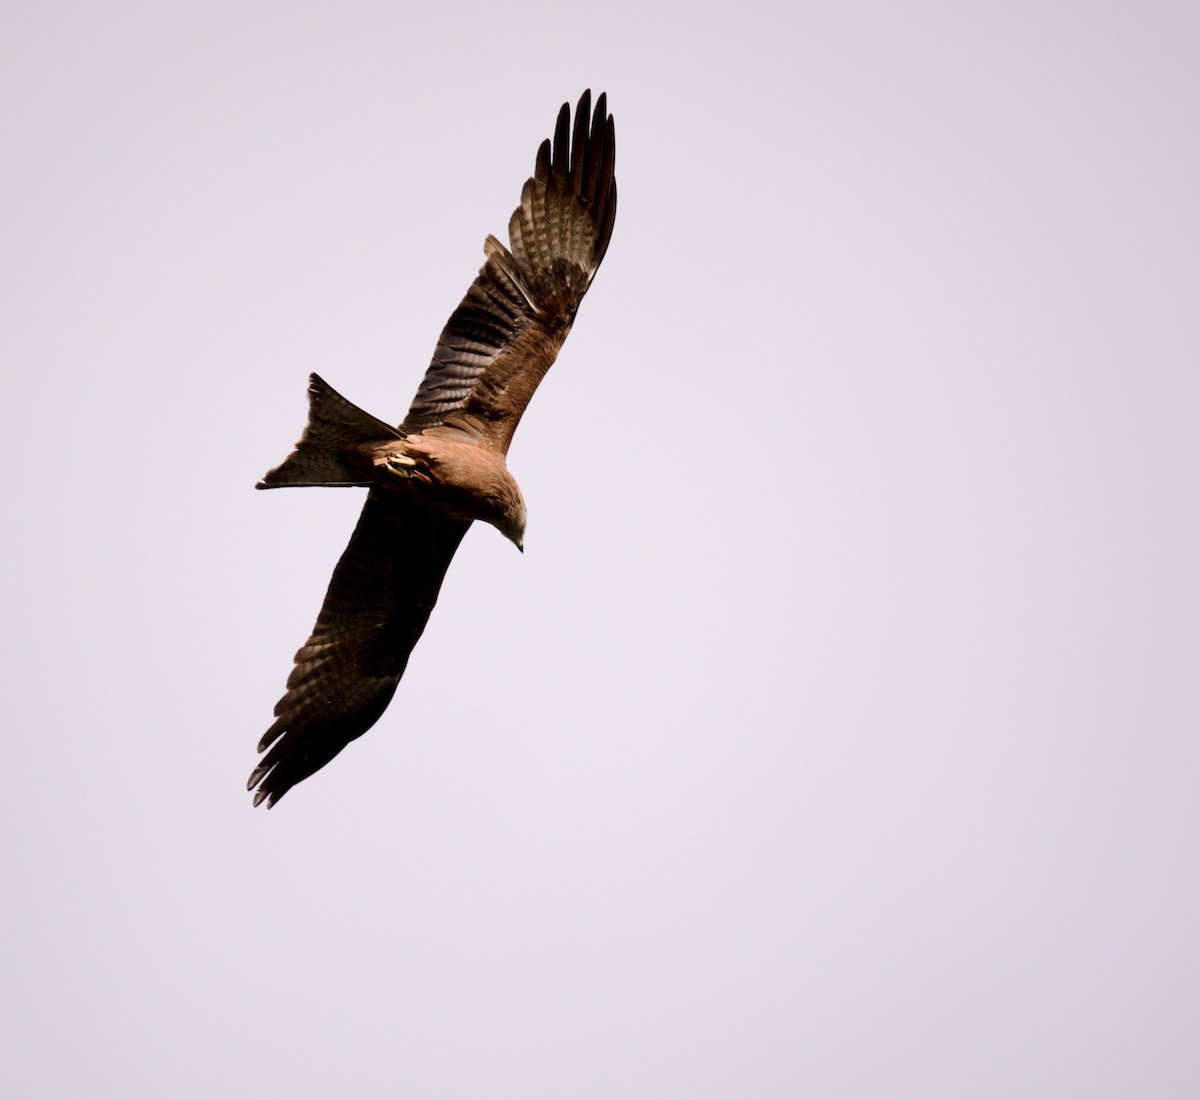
377 605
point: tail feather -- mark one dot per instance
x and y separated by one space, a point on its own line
320 458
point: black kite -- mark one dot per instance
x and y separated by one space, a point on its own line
444 467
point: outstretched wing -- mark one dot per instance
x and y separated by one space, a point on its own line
378 603
502 339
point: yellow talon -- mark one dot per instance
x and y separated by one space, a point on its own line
401 464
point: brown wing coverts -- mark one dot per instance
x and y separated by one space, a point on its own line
377 605
506 333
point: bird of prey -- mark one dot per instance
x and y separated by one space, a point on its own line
444 466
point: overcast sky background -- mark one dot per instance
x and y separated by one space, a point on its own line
836 735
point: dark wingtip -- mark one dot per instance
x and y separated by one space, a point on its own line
264 793
560 160
542 170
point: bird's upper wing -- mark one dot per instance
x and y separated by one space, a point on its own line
378 603
499 343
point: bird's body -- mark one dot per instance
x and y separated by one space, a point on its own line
444 467
458 478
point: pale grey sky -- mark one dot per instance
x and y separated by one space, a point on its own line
836 735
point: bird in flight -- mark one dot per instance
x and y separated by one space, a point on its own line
444 466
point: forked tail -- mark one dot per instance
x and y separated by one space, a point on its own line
334 426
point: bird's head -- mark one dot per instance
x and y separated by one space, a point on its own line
511 523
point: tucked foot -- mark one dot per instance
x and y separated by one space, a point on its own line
400 464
